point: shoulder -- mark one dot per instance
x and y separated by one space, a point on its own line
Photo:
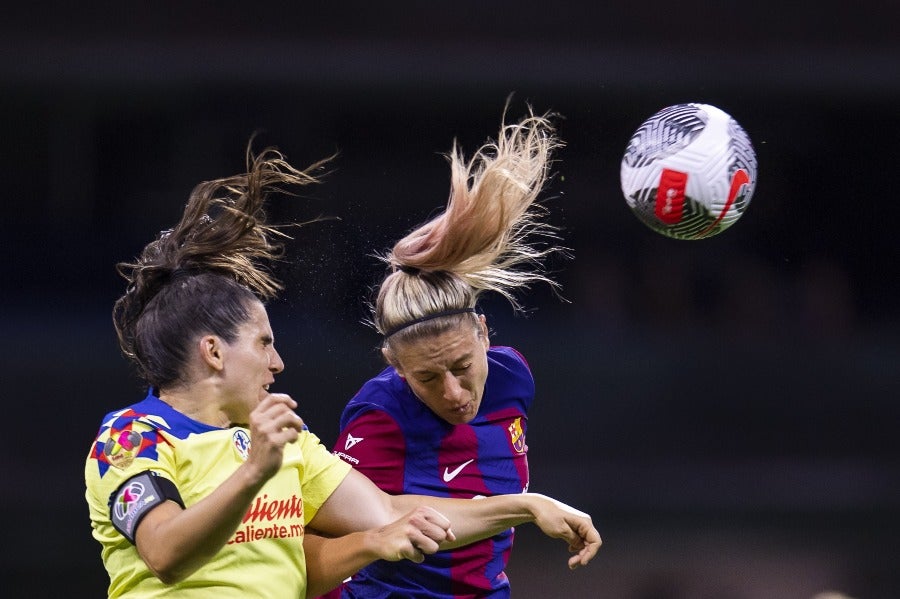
507 363
508 356
509 379
129 433
371 419
153 414
128 443
384 393
139 435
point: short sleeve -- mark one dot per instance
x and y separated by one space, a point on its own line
373 443
320 473
124 448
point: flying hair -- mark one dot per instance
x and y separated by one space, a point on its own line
486 239
222 241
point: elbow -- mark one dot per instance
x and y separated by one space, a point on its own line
168 578
168 551
169 575
169 572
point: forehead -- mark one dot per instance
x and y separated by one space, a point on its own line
439 350
258 320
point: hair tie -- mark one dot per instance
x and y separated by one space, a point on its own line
410 270
406 325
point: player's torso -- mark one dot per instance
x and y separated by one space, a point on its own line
197 460
387 432
487 456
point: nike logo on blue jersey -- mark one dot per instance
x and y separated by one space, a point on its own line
451 474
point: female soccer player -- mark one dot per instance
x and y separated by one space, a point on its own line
448 416
206 487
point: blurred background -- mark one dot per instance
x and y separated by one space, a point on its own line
726 409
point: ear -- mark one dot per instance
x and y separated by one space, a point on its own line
483 331
212 351
389 357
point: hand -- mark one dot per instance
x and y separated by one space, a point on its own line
416 534
561 521
273 424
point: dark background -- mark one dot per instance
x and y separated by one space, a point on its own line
726 409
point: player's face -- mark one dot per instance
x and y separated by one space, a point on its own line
447 372
250 365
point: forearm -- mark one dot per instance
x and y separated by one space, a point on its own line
330 561
357 504
419 532
476 519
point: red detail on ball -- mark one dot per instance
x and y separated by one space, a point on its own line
738 180
670 196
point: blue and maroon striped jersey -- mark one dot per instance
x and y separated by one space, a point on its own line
399 443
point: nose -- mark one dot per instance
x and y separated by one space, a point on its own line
276 365
453 391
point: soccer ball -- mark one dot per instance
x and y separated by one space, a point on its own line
689 171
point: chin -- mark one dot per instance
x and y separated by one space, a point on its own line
467 418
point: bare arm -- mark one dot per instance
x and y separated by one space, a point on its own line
357 504
175 542
475 519
330 560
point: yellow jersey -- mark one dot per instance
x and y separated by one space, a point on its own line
151 440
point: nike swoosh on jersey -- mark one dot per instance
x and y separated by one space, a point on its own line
451 474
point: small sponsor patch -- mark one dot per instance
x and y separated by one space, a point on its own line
241 442
346 458
136 497
351 441
122 447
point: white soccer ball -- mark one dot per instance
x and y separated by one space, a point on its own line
689 171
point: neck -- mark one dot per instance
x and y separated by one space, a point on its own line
196 404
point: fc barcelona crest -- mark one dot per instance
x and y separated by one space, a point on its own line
517 435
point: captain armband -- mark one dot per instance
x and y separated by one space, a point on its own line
136 497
